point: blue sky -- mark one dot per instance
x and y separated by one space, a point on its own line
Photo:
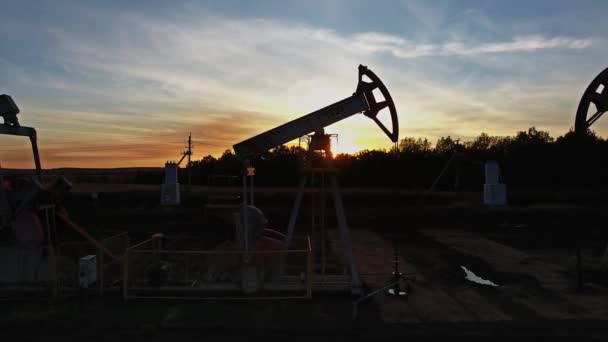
119 83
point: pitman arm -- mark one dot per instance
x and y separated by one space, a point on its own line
362 100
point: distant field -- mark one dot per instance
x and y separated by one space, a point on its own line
100 175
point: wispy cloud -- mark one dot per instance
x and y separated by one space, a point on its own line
261 65
402 48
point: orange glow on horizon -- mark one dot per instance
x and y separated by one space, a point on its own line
19 156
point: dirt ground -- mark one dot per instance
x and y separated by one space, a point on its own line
531 287
532 264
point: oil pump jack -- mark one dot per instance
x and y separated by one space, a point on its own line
11 126
595 94
364 100
31 211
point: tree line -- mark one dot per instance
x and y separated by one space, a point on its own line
529 159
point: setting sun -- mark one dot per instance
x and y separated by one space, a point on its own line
344 145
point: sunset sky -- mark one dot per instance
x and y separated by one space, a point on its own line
122 83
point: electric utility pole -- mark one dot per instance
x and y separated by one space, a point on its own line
189 153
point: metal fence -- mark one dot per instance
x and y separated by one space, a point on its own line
112 269
152 271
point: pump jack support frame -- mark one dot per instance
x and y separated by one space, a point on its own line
355 281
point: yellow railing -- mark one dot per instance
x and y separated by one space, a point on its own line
118 245
153 272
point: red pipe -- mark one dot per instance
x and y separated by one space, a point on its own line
62 215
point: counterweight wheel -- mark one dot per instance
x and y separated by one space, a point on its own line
596 94
375 107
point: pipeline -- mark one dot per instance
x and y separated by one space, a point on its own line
64 218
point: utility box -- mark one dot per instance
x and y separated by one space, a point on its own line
169 194
494 192
87 271
492 172
170 173
169 190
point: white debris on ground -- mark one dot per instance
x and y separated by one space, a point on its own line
392 292
470 276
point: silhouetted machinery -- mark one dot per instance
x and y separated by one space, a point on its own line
11 126
29 213
12 199
593 104
369 98
596 94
